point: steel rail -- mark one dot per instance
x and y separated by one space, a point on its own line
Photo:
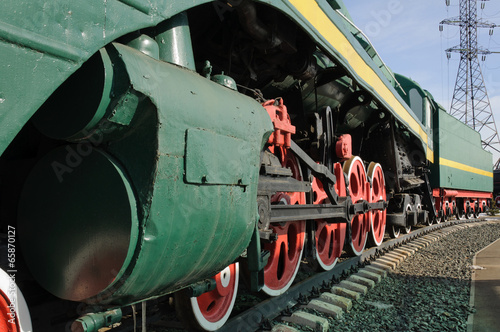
252 319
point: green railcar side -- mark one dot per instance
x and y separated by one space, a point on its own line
460 162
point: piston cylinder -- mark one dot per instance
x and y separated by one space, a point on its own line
168 204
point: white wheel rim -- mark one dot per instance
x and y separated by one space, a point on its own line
225 277
407 229
371 171
327 267
396 231
266 289
276 292
17 298
348 167
198 315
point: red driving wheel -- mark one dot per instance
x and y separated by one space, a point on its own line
286 251
211 310
358 190
377 193
329 237
7 323
14 312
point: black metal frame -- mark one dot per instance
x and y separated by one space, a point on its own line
340 210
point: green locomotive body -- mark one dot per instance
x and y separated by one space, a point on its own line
148 145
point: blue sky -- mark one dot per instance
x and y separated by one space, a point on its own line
407 37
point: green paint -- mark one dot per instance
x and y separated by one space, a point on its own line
174 41
225 158
457 142
167 195
95 321
43 42
190 149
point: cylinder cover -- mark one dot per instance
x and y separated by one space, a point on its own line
76 242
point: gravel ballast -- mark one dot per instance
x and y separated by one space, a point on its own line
428 292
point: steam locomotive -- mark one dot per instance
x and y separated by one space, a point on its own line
168 147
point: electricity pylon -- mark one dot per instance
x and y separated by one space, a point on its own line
470 103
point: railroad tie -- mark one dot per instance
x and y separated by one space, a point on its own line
414 246
411 249
283 328
407 252
429 238
340 301
306 319
362 289
344 292
370 275
381 262
368 283
422 242
395 256
325 308
374 269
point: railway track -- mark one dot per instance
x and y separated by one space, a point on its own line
375 261
331 292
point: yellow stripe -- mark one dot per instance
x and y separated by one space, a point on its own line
430 155
320 21
463 167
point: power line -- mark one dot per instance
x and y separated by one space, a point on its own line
470 103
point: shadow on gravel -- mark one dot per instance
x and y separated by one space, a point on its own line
410 303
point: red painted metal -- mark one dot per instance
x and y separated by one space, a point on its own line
283 128
214 305
377 193
437 202
286 251
470 199
359 189
449 193
475 194
343 147
329 237
285 256
437 192
6 316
